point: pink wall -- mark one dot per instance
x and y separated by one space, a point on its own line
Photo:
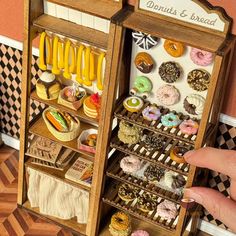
11 25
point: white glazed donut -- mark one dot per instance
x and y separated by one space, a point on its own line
130 164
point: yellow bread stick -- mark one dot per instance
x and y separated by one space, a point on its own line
55 69
61 55
72 65
92 76
99 71
67 73
42 64
87 82
49 50
79 76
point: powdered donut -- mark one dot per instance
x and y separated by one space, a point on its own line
167 210
201 57
168 95
130 164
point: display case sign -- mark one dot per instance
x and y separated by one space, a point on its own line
191 11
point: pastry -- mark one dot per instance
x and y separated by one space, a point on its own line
140 233
168 95
127 192
144 62
173 48
170 120
147 202
194 104
151 113
91 140
189 127
130 164
167 210
133 104
201 57
145 41
174 180
153 142
170 71
177 154
199 80
142 87
47 87
92 106
154 173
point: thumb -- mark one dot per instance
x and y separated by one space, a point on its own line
221 207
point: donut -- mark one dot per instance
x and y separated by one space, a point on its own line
170 71
151 113
130 164
189 127
128 139
174 180
143 84
154 173
140 233
133 104
194 104
170 120
127 192
147 202
129 129
167 210
201 57
144 41
173 48
177 154
168 95
199 80
153 142
144 62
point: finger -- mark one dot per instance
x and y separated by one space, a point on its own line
233 189
223 161
222 208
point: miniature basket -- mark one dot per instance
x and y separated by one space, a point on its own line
63 136
73 105
83 136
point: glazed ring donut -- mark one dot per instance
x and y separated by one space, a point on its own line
170 120
177 154
189 127
144 62
151 113
199 80
147 202
120 221
170 71
127 192
130 164
194 104
128 129
133 104
145 41
168 95
173 48
201 57
167 210
143 84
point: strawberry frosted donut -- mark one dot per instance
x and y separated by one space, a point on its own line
167 210
130 164
140 233
189 127
201 57
168 95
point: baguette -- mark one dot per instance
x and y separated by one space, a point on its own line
58 121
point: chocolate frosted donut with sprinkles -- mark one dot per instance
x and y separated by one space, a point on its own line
170 71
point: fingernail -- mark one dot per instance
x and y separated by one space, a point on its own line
190 194
189 154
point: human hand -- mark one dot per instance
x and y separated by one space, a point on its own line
223 161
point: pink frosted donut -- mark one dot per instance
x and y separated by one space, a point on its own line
201 57
189 127
167 210
140 233
151 113
130 164
168 95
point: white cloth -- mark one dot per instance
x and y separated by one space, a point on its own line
56 198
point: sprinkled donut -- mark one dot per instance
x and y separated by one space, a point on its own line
154 173
153 142
151 113
170 71
199 80
127 192
168 95
167 210
201 57
144 62
194 104
145 41
130 164
189 127
147 202
173 48
170 120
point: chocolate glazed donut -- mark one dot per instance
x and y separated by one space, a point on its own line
144 62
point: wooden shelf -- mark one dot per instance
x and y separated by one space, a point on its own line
71 30
111 197
168 30
58 174
39 128
70 224
80 113
101 8
114 171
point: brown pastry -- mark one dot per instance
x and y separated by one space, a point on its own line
154 173
199 80
170 71
144 62
127 192
147 202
